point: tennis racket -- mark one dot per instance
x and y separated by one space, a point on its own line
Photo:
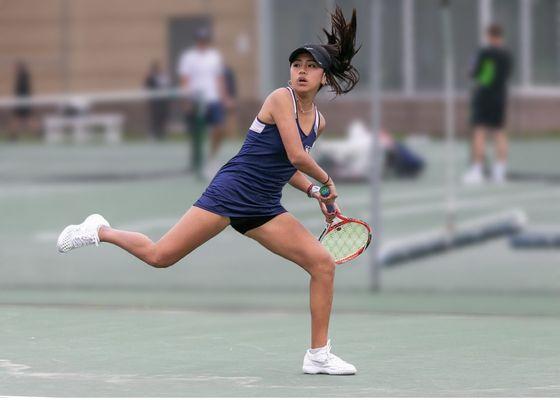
345 239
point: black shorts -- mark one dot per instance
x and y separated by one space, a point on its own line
244 224
488 110
214 114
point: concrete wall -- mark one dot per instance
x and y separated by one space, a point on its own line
111 42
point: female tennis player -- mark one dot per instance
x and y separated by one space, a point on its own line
246 191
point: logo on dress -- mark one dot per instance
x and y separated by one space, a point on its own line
308 148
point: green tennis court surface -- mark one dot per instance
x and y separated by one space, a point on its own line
141 352
231 319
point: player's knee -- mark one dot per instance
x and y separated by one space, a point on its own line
324 266
160 260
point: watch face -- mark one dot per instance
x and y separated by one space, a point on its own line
315 189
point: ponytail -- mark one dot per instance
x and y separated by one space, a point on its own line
341 46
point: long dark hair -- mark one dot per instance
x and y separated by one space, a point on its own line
341 45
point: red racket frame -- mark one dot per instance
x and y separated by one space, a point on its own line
344 220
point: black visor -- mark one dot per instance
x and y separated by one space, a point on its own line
318 52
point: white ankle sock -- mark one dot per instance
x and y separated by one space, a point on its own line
318 350
477 167
500 167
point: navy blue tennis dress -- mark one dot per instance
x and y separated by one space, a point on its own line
250 184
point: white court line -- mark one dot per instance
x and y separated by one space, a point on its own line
425 193
34 190
413 194
316 222
24 371
137 226
37 189
479 204
470 204
306 205
416 209
151 223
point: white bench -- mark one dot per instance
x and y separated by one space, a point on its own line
83 127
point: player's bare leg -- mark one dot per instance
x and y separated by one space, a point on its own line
193 229
478 145
501 148
287 237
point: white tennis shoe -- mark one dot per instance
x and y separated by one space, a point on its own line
473 176
85 234
499 173
324 362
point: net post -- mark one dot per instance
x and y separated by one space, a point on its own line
377 156
449 117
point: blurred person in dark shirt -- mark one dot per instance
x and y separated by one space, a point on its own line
22 90
157 80
491 72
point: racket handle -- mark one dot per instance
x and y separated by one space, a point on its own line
325 192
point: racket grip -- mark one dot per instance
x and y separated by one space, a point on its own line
325 192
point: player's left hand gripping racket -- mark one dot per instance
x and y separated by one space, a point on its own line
345 239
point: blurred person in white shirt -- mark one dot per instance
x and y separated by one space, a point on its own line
201 72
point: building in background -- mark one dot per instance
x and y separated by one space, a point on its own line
101 45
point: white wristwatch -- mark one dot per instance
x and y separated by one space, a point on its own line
314 189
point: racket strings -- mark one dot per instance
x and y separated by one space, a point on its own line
346 239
